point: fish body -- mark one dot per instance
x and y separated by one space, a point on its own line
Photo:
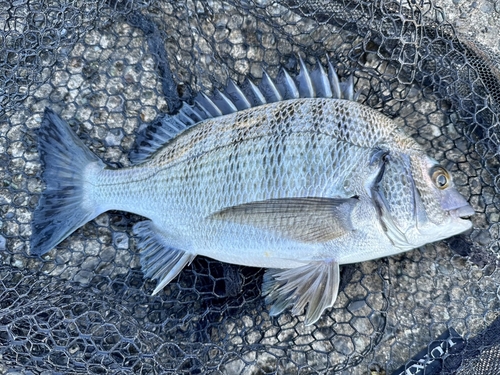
294 176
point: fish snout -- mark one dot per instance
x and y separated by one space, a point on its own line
464 212
453 202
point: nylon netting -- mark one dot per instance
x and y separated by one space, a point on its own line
110 68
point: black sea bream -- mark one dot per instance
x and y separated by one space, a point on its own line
292 175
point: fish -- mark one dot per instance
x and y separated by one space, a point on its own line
294 175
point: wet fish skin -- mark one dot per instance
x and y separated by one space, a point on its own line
299 185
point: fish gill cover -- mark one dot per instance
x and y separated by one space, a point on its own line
112 68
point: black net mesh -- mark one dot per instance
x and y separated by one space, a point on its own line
110 68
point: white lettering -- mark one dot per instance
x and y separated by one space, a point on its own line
452 343
414 369
439 351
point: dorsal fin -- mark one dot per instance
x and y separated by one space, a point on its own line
208 105
304 81
253 93
225 105
286 85
334 80
269 89
347 88
162 130
321 82
239 99
306 84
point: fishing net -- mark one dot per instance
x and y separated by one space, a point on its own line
111 68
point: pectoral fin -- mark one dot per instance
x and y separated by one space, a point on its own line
315 284
308 219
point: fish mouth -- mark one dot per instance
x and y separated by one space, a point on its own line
464 212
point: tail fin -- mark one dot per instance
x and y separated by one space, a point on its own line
61 209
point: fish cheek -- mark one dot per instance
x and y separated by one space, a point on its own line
398 188
420 213
430 196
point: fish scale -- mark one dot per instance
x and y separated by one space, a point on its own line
250 153
295 183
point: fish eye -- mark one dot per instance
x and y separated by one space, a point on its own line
440 178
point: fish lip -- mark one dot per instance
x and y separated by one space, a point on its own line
464 212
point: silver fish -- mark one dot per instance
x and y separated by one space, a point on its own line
292 175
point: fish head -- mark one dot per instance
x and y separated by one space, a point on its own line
439 210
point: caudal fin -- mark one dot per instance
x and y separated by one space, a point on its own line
61 209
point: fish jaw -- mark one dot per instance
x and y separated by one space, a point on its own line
460 218
463 213
456 223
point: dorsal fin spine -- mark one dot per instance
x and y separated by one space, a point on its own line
286 85
237 96
185 118
304 81
347 88
225 105
269 89
179 122
254 94
321 82
199 111
306 84
208 105
334 80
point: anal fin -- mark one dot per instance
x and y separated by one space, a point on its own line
315 284
159 261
